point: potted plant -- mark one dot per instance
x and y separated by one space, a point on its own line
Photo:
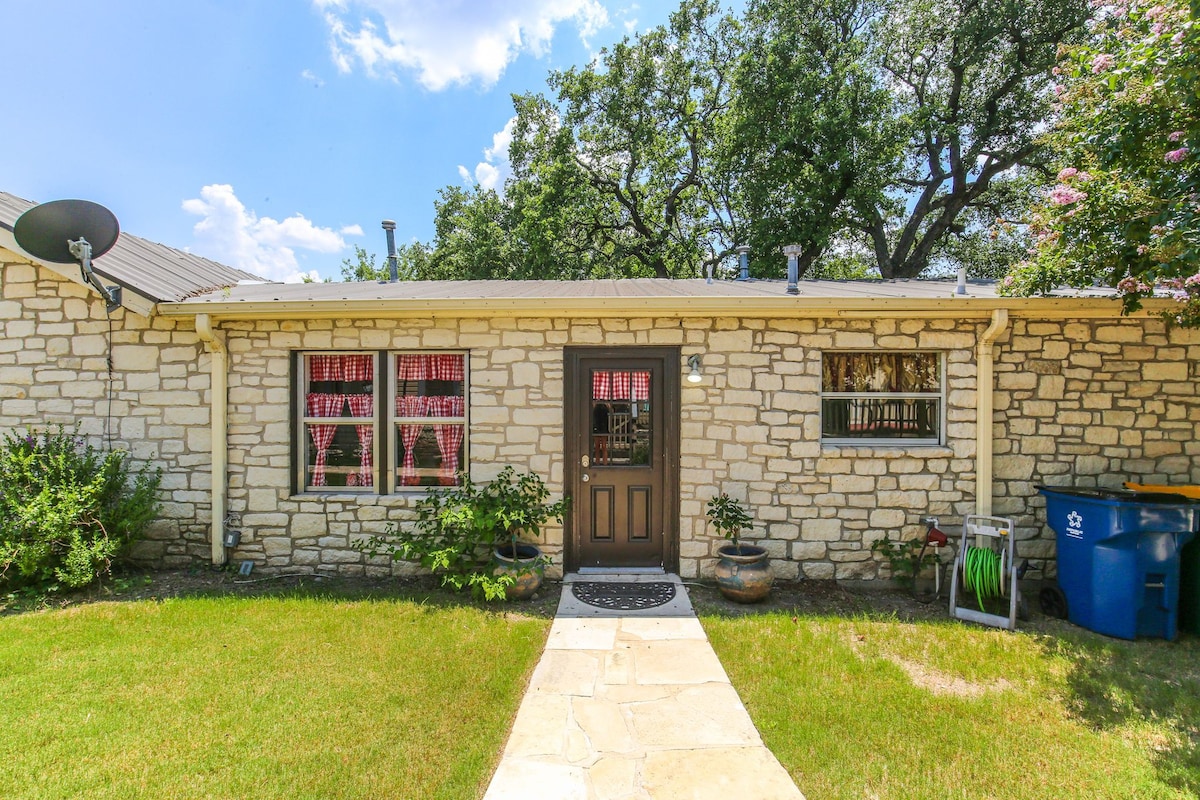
471 534
743 574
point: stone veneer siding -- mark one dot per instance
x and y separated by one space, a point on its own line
54 370
1076 402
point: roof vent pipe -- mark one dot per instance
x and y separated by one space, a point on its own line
743 252
962 281
389 227
792 251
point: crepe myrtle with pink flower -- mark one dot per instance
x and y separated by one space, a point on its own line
1124 209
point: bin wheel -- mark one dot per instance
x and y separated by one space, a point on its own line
1054 602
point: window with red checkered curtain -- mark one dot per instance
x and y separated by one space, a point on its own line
349 441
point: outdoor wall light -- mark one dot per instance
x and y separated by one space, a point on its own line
694 376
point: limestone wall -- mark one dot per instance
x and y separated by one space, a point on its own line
1076 402
54 344
1083 402
1091 404
751 428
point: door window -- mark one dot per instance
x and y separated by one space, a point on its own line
620 415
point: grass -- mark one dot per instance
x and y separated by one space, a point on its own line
264 697
879 708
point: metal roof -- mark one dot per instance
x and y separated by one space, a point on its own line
631 297
600 289
594 289
153 270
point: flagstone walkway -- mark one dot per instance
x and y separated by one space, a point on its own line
634 705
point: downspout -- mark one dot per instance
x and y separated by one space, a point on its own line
984 388
214 342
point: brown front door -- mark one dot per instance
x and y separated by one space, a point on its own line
622 456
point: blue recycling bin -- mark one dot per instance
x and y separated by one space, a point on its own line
1118 557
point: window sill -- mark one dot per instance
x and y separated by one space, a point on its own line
886 450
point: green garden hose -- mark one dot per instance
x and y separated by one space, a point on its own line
981 573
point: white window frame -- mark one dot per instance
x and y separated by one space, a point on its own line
870 441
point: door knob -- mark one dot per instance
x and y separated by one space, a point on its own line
586 477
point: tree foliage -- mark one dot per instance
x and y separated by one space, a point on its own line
811 122
1125 211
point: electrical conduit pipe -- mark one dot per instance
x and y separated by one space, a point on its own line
214 342
983 405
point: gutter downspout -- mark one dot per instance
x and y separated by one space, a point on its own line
214 342
984 388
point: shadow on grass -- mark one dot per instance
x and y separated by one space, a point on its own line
135 586
1117 685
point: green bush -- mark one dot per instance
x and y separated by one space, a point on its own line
457 529
67 509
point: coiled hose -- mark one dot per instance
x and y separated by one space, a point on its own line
982 570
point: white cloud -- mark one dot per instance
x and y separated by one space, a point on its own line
312 78
493 171
235 235
449 42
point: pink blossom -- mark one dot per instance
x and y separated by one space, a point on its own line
1009 280
1065 195
1175 136
1156 12
1142 249
1175 156
1059 89
1067 173
1102 62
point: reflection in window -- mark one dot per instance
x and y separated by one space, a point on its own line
339 420
621 430
430 418
882 396
340 445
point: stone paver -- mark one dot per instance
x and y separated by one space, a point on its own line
634 706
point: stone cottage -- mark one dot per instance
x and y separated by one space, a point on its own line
309 415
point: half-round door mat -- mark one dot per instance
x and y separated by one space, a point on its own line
623 596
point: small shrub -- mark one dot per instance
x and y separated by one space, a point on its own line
67 510
457 529
905 558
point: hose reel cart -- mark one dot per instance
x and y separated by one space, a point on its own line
985 567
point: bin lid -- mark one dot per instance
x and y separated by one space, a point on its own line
1120 495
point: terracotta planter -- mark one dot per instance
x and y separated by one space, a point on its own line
526 568
743 574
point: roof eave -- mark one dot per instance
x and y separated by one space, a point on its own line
667 307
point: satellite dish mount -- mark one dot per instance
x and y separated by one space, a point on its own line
71 231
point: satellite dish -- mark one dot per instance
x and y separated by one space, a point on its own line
46 231
71 232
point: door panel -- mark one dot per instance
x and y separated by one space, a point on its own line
621 454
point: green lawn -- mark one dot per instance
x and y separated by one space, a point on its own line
878 708
267 697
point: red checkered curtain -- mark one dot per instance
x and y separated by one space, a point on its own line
620 385
341 368
601 385
358 367
363 405
325 368
409 433
322 405
640 385
429 367
445 406
449 437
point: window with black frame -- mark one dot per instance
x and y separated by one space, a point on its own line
878 397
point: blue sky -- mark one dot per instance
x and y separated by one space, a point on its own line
275 136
